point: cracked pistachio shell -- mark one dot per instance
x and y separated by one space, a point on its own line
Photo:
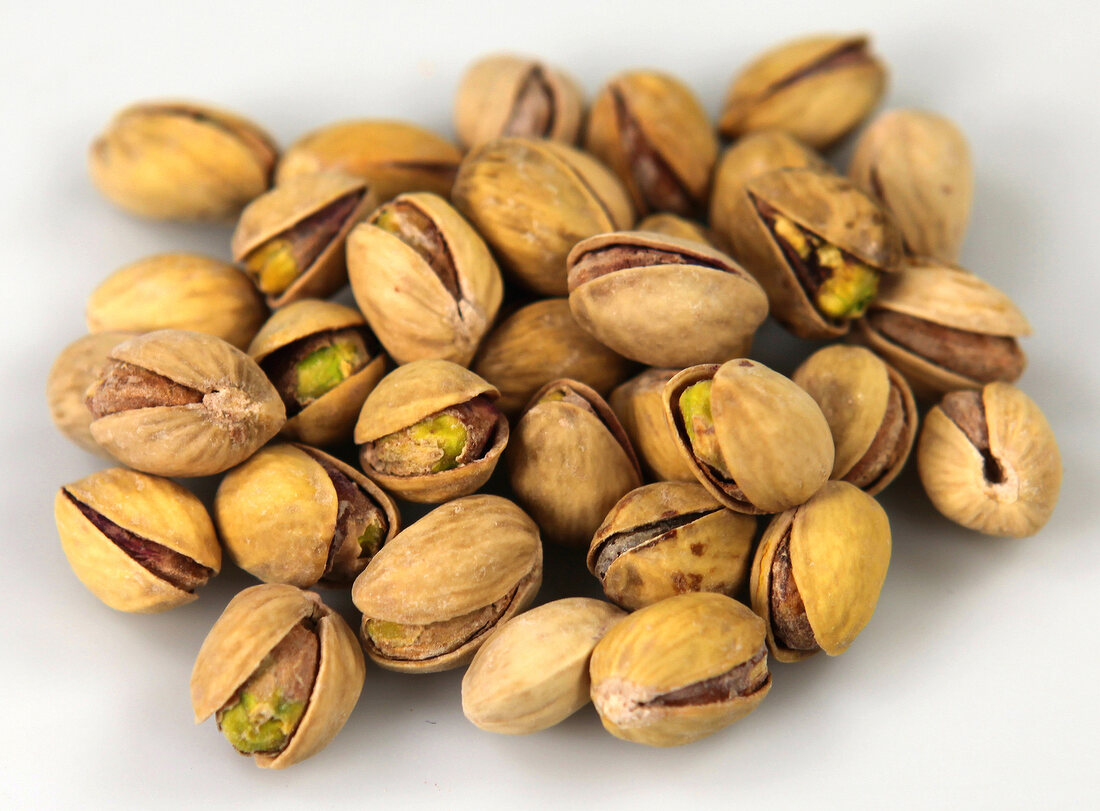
240 409
669 646
917 164
1009 488
154 509
178 291
175 160
816 88
392 156
638 405
277 513
409 306
853 388
651 129
774 439
532 672
331 417
461 557
686 541
512 95
568 464
675 303
253 623
534 200
839 554
673 225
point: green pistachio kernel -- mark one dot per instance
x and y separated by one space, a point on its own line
260 724
322 370
386 631
434 444
695 410
371 539
274 266
850 287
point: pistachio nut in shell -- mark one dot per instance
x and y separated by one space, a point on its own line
177 160
178 403
434 593
139 543
680 669
532 672
511 95
663 301
640 408
651 129
323 361
917 164
293 514
753 438
870 410
944 329
668 538
673 225
989 460
818 572
817 88
424 279
570 461
429 431
178 291
281 672
291 239
534 200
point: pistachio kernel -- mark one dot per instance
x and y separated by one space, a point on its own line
699 424
307 369
412 226
740 681
790 626
125 387
887 447
533 111
442 441
361 525
619 543
659 185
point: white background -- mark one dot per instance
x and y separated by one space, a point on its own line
975 685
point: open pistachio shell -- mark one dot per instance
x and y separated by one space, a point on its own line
673 225
638 405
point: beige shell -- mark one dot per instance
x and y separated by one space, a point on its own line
568 466
239 413
534 200
638 405
666 647
492 89
532 672
175 160
462 556
673 225
816 88
178 291
703 311
839 551
917 164
1023 446
253 623
410 310
153 508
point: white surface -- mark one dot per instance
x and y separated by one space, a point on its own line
973 686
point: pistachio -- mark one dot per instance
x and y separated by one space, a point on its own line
673 225
637 404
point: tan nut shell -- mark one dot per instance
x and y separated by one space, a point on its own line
412 313
461 556
952 470
331 417
638 405
174 160
532 672
253 623
840 551
673 225
668 314
240 411
154 508
712 553
178 291
664 647
534 200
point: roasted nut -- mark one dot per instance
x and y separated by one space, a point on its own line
816 88
424 279
989 461
673 225
171 160
663 301
669 538
139 543
179 403
570 461
639 406
532 672
680 669
818 572
434 593
870 411
281 671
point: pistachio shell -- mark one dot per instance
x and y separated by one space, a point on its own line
673 225
638 405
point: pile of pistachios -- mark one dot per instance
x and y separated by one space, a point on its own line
586 315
